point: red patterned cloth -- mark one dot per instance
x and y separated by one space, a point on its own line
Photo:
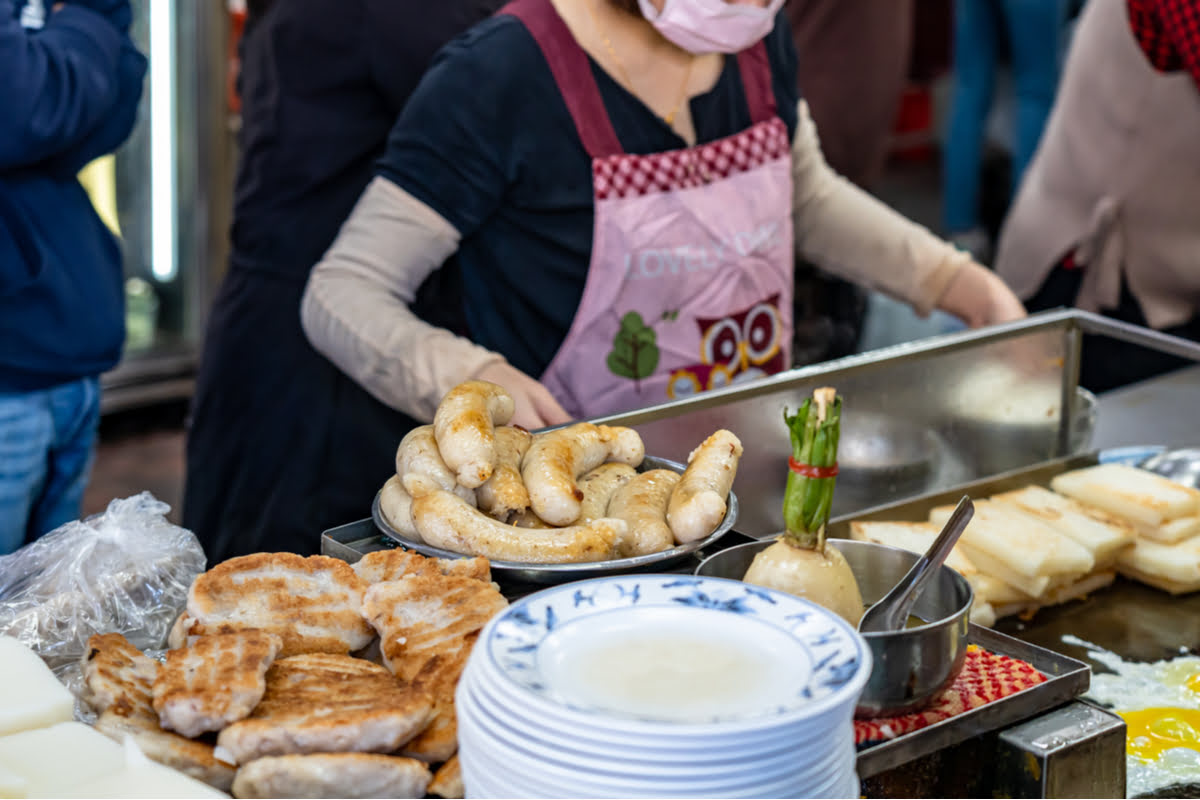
985 677
628 175
1169 33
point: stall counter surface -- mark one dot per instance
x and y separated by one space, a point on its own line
1157 411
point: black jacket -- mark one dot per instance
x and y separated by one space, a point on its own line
282 445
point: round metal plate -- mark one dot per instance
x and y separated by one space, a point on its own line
562 573
1181 465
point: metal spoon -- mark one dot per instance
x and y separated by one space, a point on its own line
891 612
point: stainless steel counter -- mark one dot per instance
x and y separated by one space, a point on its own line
1163 410
968 394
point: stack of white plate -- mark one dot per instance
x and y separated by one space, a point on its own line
661 686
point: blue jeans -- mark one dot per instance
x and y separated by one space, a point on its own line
47 443
1035 29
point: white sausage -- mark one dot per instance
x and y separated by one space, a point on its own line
598 487
396 506
624 444
556 460
418 452
642 504
445 521
464 426
697 504
504 492
525 518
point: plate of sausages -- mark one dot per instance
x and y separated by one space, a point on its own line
564 504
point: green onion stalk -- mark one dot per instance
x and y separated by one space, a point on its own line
807 501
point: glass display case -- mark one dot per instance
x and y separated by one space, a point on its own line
167 192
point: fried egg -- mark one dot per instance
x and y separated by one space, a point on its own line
1160 703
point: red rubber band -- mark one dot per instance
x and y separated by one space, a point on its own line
809 471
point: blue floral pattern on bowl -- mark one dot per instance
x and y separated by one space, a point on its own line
839 657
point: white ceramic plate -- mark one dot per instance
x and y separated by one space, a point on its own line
676 653
571 737
532 778
518 745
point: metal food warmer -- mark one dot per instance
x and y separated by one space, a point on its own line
924 422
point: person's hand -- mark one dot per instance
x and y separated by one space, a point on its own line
978 297
535 406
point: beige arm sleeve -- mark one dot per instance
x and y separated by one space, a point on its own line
355 309
849 233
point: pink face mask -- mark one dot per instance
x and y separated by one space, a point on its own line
711 26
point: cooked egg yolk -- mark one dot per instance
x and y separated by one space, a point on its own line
1193 683
1150 731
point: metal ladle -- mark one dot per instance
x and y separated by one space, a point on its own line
891 612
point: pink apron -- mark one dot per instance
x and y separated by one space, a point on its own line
690 282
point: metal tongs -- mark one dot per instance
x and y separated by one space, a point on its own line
891 612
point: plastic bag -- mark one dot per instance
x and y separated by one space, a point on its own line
127 570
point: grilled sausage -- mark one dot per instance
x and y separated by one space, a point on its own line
642 504
556 460
464 425
445 521
598 487
624 444
525 518
418 452
396 506
697 504
504 492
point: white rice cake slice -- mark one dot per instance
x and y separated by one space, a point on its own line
49 761
1163 584
983 614
916 537
996 591
12 784
139 777
1056 595
1012 609
1021 542
1176 565
1080 588
1027 587
1140 496
1173 531
30 696
1104 535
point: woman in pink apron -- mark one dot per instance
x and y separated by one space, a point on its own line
625 187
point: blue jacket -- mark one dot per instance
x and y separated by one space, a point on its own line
68 93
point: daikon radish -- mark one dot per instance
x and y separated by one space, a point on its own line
799 562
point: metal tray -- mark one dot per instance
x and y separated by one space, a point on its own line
1066 678
1137 622
548 574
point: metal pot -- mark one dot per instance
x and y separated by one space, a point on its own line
1010 433
911 666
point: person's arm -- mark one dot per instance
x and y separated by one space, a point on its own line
855 236
356 312
59 82
117 124
449 162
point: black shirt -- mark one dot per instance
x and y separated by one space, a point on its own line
487 142
318 102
